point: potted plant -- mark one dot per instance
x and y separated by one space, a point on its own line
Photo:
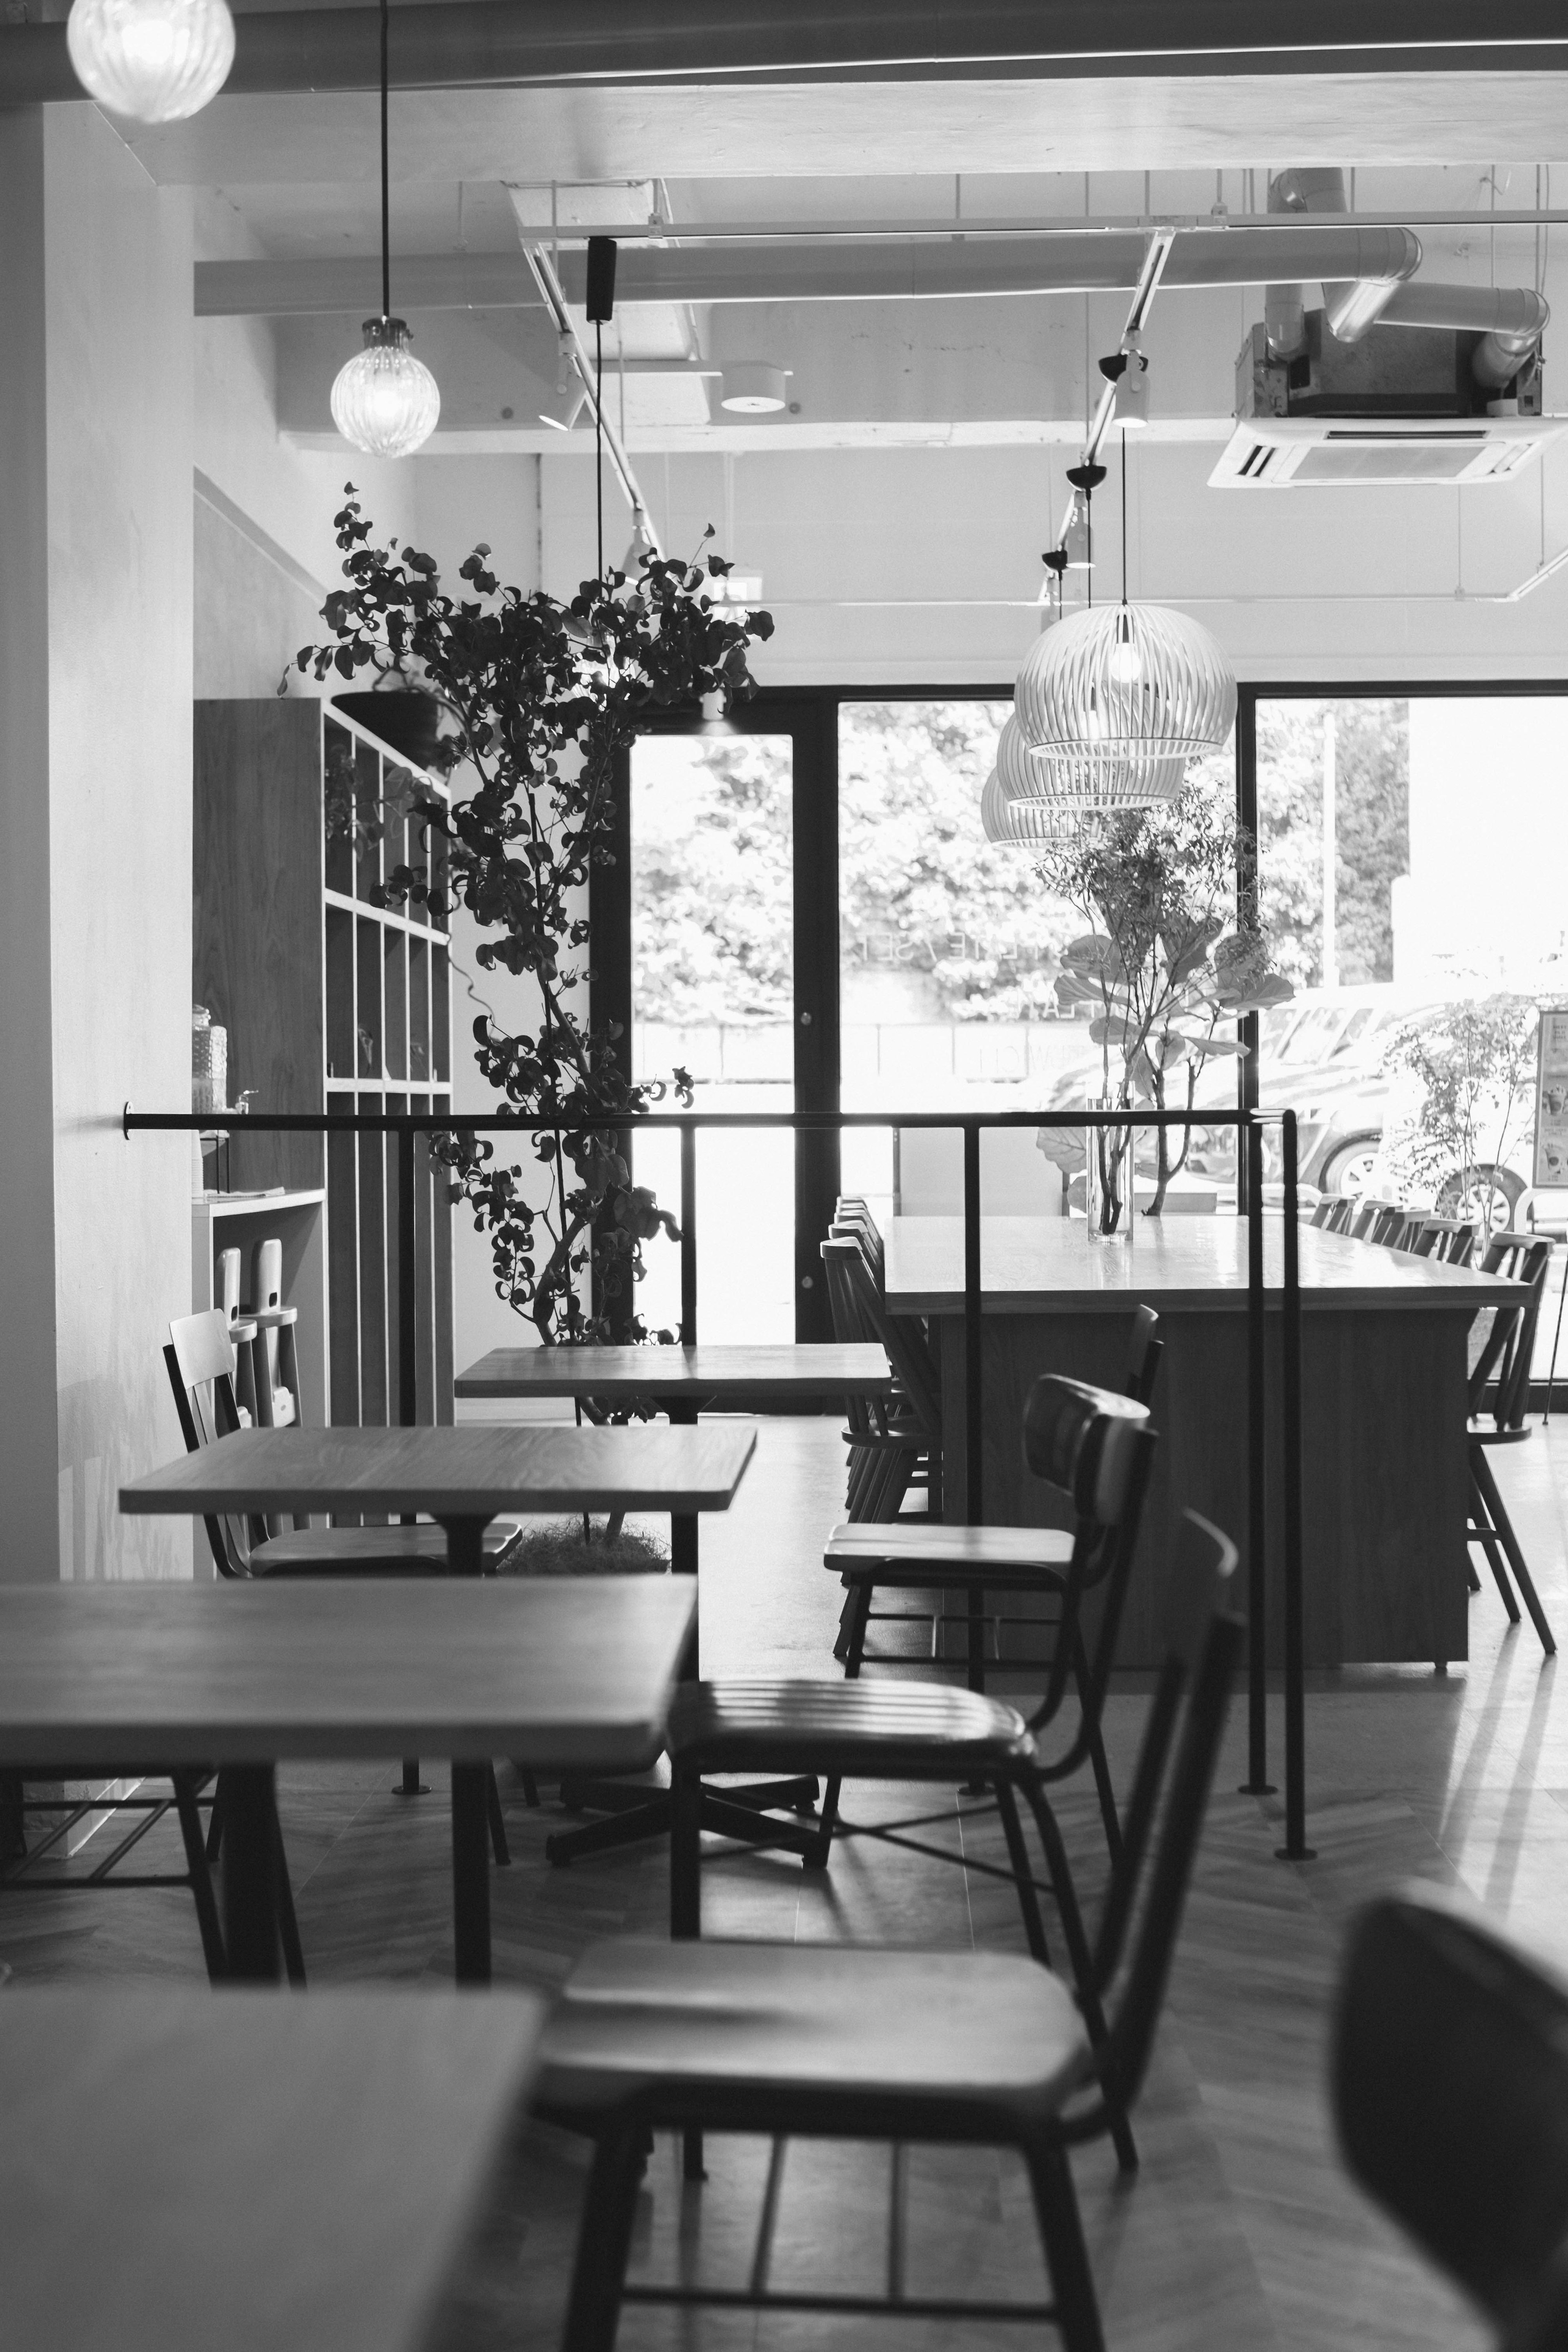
1174 956
539 697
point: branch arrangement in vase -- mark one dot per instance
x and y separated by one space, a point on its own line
1177 955
540 697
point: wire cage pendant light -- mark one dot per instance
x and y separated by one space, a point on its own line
384 400
1025 824
1113 702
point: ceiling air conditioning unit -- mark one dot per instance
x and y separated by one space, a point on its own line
1401 405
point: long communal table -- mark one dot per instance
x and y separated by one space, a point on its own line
1383 1379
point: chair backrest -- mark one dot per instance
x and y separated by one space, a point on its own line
1341 1213
1505 1360
846 1264
1450 1239
1095 1448
1369 1214
1164 1815
199 1358
1450 2091
1323 1211
1143 1356
1388 1226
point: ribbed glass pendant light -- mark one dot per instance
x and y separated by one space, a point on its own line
1114 701
151 60
385 400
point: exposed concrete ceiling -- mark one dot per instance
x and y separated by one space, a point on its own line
894 128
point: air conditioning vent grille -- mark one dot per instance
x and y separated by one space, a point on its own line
1374 453
1383 461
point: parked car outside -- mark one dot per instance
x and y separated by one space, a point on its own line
1322 1055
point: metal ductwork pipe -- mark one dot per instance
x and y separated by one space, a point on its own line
1350 304
1511 320
1077 262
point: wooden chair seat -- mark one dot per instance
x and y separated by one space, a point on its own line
903 1552
828 2031
370 1551
896 1730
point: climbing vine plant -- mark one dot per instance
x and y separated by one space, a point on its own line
541 699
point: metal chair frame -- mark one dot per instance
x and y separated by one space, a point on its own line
857 1616
1101 1561
1129 1971
191 1792
1449 2082
1504 1366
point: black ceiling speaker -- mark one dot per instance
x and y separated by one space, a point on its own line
600 279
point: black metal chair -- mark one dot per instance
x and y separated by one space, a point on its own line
1094 1447
903 1434
1450 2091
200 1361
1503 1367
49 1866
968 1564
835 2041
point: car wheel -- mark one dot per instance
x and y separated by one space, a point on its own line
1351 1171
1494 1193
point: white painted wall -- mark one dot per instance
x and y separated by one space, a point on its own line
95 762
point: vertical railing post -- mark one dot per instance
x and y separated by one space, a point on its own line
1249 1154
408 1319
687 1234
974 1421
1295 1848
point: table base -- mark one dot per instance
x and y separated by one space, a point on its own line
634 1815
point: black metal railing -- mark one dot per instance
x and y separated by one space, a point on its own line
1250 1125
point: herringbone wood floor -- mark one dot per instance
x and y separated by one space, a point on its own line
1241 2231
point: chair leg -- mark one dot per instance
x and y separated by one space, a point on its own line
215 1825
1482 1471
1082 1963
495 1818
1066 2256
685 1853
288 1925
1018 1854
211 1933
530 1791
604 2241
1483 1530
1096 1758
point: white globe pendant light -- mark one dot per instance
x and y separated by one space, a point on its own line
385 400
1113 703
151 60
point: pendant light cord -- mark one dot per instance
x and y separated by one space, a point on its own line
598 431
1124 514
385 196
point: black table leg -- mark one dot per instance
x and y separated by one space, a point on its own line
471 1873
465 1546
249 1875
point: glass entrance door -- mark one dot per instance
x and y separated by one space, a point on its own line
713 992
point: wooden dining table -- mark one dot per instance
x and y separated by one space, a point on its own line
682 1381
179 2174
463 1478
1384 1370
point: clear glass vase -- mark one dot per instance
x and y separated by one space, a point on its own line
1107 1178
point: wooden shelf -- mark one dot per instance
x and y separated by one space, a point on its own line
331 1002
